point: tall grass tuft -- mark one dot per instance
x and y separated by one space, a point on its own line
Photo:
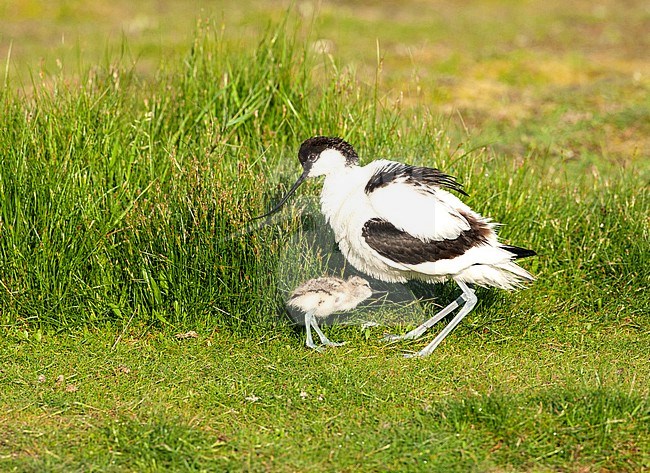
120 198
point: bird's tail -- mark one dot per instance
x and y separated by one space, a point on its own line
516 275
507 276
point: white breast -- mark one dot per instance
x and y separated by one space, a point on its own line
347 208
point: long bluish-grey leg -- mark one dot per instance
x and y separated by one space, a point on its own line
470 301
308 324
324 340
420 329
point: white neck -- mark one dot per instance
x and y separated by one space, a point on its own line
329 162
340 188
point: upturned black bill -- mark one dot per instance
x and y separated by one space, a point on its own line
300 180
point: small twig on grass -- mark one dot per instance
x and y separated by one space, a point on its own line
186 335
119 337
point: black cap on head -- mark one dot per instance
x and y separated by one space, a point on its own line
310 149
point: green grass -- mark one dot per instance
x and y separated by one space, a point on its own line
225 401
125 196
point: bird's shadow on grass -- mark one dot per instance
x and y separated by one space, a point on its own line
405 305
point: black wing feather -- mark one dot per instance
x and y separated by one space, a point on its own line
415 175
401 247
518 251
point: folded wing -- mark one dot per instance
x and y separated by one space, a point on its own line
413 200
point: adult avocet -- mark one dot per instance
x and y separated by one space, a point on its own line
321 297
397 222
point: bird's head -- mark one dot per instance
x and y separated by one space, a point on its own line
323 155
320 156
360 287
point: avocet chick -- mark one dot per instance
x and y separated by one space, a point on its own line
321 297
